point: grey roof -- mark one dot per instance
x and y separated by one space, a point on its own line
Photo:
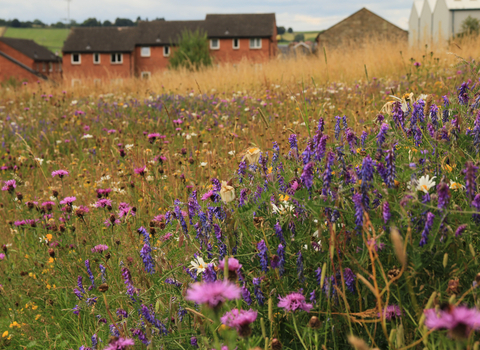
165 32
124 39
240 25
30 49
101 39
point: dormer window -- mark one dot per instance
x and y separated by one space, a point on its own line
76 58
236 43
166 51
214 44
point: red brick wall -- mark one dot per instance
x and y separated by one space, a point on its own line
104 70
44 69
9 69
151 64
16 55
227 54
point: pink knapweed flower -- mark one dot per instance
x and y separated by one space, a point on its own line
240 320
207 195
102 203
293 302
60 173
119 344
213 294
99 248
392 311
2 256
68 200
141 171
10 185
233 264
459 321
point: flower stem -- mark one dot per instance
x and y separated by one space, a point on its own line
298 333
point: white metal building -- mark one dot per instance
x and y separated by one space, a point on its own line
439 20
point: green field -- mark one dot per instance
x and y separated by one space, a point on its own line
52 38
308 35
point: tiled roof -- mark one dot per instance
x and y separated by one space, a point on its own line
240 25
165 32
30 49
101 39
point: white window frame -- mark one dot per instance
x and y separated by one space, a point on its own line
211 44
99 59
79 58
142 54
255 42
116 57
233 43
169 50
145 75
50 66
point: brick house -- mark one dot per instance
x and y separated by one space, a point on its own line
147 48
101 53
25 60
359 28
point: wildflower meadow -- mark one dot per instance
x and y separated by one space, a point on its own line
305 215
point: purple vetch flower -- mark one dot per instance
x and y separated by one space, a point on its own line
386 212
417 136
476 133
78 293
258 291
337 127
181 219
382 172
94 342
431 130
293 302
194 342
381 136
141 336
434 115
349 278
246 294
149 315
357 201
352 140
445 113
307 175
279 232
470 172
344 122
292 139
145 254
308 153
121 314
114 331
90 274
300 275
80 284
209 275
443 192
281 263
263 255
127 279
460 229
426 229
390 168
463 94
242 169
363 138
243 197
327 175
103 271
398 114
321 147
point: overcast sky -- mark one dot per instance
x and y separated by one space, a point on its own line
301 15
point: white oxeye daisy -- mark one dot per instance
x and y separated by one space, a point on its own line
425 183
456 186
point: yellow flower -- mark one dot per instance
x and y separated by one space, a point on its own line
284 198
447 168
34 307
5 334
37 317
270 170
51 260
15 324
49 286
49 236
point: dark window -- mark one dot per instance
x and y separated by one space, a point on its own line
75 58
116 58
236 43
96 58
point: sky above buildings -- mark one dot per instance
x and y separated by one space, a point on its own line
301 15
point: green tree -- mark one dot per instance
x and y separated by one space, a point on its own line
290 30
58 25
299 37
16 23
192 52
124 22
91 22
281 30
107 23
470 26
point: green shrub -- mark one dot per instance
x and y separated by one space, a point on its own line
192 52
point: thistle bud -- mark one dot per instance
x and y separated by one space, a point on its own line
314 323
103 288
276 345
51 252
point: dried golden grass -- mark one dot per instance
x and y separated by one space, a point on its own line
346 65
